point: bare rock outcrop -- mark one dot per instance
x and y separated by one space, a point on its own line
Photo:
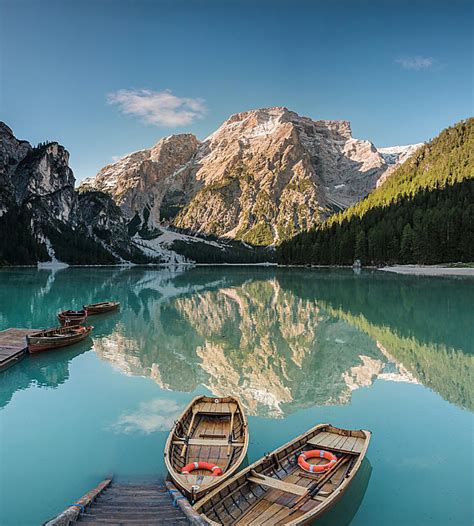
261 177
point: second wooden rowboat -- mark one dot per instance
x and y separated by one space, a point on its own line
56 338
72 317
102 307
208 443
277 490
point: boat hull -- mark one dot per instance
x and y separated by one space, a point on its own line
101 308
40 342
72 317
210 429
276 487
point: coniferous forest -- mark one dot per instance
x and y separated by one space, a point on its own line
424 213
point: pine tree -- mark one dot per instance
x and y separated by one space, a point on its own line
406 248
361 246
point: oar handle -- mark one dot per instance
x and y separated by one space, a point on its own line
229 447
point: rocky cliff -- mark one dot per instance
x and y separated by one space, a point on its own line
263 176
42 217
12 151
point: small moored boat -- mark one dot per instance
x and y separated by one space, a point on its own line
56 338
206 445
72 317
101 308
295 484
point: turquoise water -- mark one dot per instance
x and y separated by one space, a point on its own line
392 354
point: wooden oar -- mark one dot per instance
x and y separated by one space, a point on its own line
229 447
195 412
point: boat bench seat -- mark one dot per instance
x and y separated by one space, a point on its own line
208 408
207 442
287 487
332 441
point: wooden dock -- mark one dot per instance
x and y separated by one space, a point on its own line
131 504
13 346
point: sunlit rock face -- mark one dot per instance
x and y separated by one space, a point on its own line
39 178
145 181
275 351
262 177
44 180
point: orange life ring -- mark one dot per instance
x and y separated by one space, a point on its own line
316 468
216 470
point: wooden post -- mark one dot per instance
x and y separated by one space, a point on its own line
71 514
194 518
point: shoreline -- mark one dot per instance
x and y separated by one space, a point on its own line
414 270
429 270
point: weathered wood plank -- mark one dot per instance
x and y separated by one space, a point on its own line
278 484
322 439
72 513
208 442
13 346
253 512
131 504
337 443
359 445
349 444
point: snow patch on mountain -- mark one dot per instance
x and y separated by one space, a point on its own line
398 154
156 248
54 263
161 246
395 156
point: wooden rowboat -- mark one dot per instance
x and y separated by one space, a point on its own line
276 490
72 317
101 308
210 430
56 338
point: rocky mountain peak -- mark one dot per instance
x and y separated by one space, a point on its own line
44 172
173 144
337 130
261 177
5 130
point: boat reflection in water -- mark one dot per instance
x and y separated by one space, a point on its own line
350 502
284 340
47 370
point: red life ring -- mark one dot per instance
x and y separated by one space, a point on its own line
216 470
316 468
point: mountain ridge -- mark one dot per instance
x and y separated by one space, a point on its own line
261 177
43 219
423 213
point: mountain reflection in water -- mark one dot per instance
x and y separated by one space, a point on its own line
279 350
280 339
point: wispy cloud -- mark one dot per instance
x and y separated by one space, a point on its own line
155 415
416 63
160 108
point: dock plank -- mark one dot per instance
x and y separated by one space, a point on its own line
123 504
13 346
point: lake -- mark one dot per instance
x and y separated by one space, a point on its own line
388 353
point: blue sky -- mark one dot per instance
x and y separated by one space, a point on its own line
105 78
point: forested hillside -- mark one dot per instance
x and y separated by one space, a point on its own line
424 213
